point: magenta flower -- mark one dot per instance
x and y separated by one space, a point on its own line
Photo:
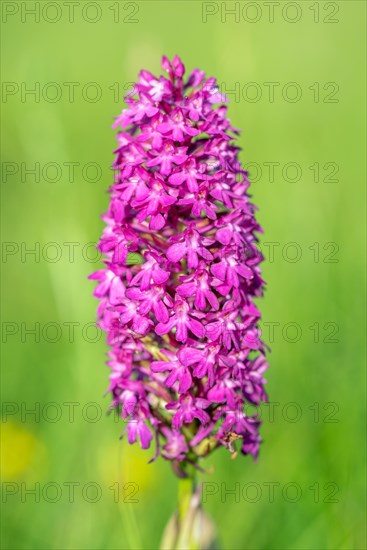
176 447
189 408
181 273
178 373
139 430
189 244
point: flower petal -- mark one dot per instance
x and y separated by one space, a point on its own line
176 252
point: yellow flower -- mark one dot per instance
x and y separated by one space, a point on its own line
18 450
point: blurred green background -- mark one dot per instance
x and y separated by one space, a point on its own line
314 436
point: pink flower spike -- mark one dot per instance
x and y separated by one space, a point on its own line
181 273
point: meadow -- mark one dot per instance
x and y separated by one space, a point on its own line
295 80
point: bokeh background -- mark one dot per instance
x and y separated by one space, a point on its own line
314 435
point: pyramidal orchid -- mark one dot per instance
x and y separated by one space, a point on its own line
181 274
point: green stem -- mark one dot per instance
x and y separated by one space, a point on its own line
189 528
186 513
186 488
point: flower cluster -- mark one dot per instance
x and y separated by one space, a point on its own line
181 273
